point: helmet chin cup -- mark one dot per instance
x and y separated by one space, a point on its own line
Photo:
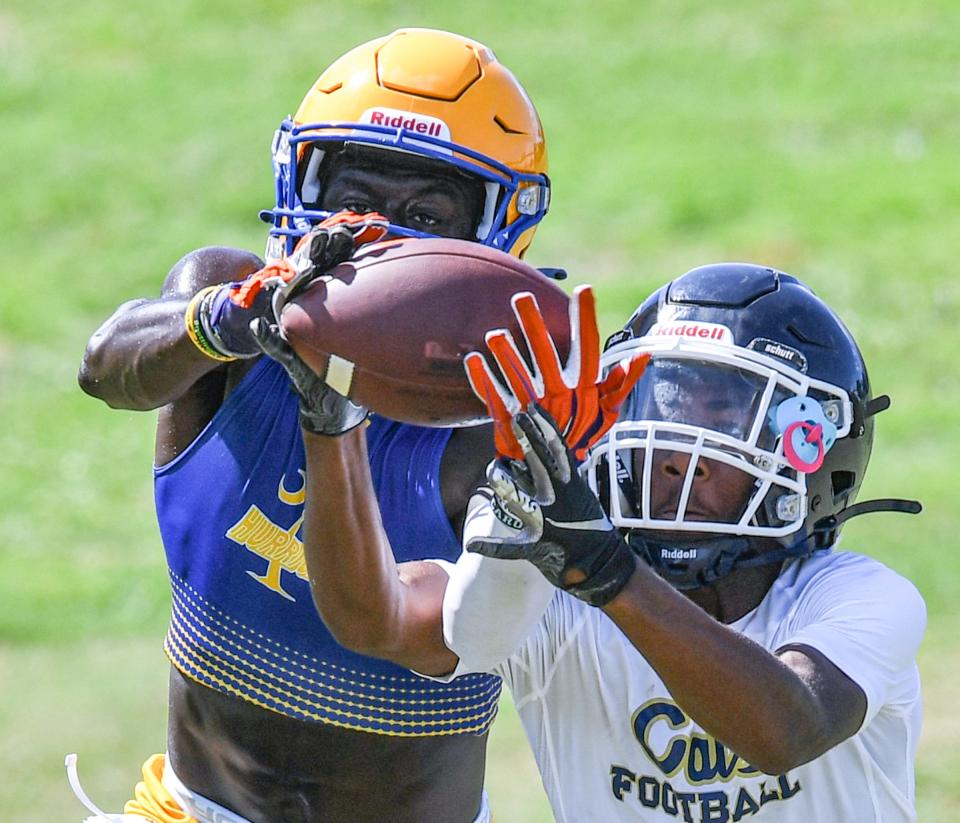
690 564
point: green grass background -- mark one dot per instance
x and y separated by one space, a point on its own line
819 137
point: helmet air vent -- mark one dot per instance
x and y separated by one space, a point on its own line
805 338
500 122
723 285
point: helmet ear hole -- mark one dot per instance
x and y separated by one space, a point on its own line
842 483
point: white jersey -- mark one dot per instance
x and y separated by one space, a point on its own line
612 745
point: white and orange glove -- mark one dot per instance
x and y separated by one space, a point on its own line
543 511
535 505
221 316
582 406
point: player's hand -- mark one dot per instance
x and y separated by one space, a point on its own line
322 410
582 405
540 509
226 312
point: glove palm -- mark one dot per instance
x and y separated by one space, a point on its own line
582 405
540 509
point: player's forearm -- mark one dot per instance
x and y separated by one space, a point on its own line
738 691
368 603
352 572
141 357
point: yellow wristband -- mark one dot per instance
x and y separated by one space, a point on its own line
191 320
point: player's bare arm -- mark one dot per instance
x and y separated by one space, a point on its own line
142 357
799 705
369 603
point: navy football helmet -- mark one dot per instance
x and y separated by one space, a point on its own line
755 381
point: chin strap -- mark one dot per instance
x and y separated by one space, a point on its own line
886 504
830 524
727 554
876 405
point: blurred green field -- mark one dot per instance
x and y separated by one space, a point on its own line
819 137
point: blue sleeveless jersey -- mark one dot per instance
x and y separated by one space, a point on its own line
243 622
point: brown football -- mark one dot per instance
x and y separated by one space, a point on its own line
390 328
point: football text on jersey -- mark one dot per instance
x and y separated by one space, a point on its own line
700 763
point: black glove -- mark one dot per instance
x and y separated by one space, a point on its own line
543 511
322 409
227 313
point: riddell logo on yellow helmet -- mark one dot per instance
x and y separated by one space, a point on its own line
418 123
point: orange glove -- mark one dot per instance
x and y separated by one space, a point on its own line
218 318
583 406
327 244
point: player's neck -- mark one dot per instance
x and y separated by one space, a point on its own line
737 594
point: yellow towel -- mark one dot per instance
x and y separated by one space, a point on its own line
152 800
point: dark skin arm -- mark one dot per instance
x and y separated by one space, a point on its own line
141 358
777 711
369 603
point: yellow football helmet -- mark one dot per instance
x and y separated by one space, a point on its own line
426 92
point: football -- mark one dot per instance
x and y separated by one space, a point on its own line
390 328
